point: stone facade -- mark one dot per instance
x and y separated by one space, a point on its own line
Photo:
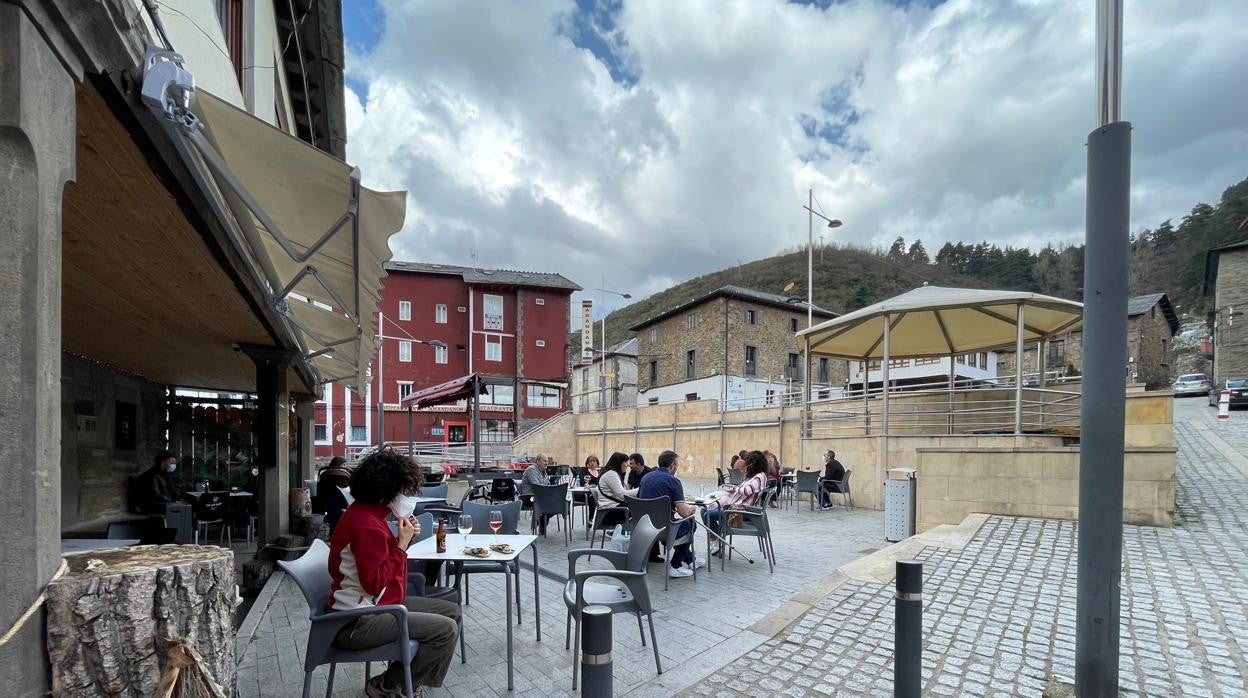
1230 335
618 389
718 332
1150 343
1063 353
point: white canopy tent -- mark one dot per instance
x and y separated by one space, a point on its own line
939 321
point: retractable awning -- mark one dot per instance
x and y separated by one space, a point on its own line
315 238
445 393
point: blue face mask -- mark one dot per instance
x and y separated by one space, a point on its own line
171 467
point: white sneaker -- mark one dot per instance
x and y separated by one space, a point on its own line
699 563
678 572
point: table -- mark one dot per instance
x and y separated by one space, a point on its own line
430 500
234 493
427 550
79 545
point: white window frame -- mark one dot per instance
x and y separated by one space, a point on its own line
541 342
441 355
398 388
439 313
492 320
324 430
405 310
540 301
405 351
654 335
543 401
493 347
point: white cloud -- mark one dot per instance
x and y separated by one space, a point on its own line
961 122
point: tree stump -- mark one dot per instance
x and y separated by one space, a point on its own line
117 615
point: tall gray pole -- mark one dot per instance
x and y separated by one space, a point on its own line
1104 375
810 258
1019 351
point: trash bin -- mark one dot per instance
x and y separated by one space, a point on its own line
900 502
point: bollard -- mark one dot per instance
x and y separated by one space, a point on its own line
596 679
908 632
1224 405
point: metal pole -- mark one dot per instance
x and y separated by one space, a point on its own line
381 376
1104 383
810 259
806 395
1018 369
884 384
866 396
908 630
476 424
596 663
953 379
410 449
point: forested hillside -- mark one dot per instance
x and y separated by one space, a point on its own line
1169 258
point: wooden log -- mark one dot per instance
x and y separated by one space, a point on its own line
117 617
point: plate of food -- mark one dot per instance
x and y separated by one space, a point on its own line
501 548
477 552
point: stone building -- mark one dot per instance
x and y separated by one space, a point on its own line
1151 326
1226 282
730 332
608 385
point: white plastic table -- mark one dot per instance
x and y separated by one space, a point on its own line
427 550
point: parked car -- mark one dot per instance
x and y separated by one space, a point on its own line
1190 384
1238 388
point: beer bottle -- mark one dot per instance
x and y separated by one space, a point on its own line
441 535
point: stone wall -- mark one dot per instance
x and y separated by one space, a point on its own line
771 335
1069 355
1230 337
93 468
1151 344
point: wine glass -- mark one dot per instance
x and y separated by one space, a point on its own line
465 526
496 522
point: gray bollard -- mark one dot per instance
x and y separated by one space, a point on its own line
908 633
596 679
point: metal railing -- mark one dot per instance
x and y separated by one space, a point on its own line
434 454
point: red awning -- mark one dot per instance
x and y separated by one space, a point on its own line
445 393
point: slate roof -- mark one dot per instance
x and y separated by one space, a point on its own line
500 277
740 293
1138 305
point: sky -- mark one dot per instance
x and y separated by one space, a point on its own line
639 144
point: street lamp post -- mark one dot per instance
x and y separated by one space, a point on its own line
810 253
603 356
381 369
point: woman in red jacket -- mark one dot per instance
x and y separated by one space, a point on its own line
368 565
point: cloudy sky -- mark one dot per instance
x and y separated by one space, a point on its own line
648 142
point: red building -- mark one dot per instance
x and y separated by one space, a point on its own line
511 326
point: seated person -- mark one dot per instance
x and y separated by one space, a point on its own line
330 482
833 471
535 474
636 470
662 482
154 488
611 491
368 567
592 471
754 480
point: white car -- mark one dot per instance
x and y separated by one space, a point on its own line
1190 384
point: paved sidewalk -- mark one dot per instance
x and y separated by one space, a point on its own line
999 613
701 625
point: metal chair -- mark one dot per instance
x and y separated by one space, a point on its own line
754 524
840 487
659 509
311 575
808 483
631 595
719 477
210 509
550 501
502 489
480 514
607 518
734 477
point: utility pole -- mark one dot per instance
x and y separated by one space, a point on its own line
810 258
1106 267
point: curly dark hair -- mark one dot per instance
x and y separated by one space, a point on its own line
384 475
755 463
616 463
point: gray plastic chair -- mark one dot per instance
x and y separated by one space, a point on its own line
480 514
311 574
632 595
808 483
434 491
840 487
754 524
552 501
734 477
660 509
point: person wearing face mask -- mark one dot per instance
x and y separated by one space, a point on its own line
368 567
154 488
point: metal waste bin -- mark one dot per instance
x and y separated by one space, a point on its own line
900 502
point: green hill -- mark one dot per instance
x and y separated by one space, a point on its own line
1169 258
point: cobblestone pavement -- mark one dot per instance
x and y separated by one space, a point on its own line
999 614
698 629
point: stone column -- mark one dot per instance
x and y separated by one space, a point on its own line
272 441
37 151
305 410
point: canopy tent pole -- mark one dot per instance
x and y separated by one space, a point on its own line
476 422
884 382
1018 369
410 450
806 423
952 383
865 367
1041 360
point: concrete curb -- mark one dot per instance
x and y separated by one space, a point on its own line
242 638
880 566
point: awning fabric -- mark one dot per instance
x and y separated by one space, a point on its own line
444 393
936 321
319 237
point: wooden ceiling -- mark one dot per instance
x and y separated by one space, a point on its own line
142 291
